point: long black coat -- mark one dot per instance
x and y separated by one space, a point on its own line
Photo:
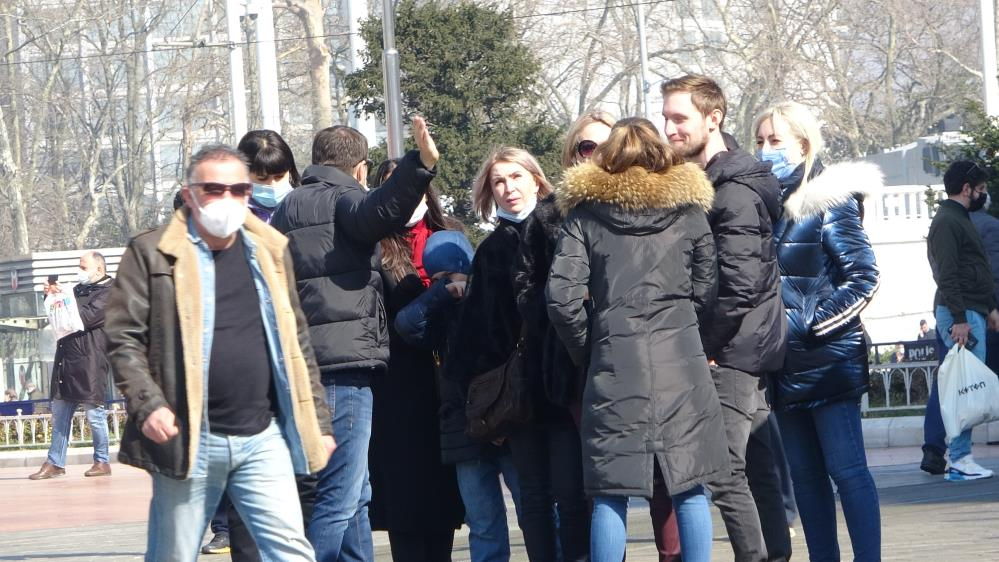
746 328
555 382
828 276
333 227
639 247
81 367
412 490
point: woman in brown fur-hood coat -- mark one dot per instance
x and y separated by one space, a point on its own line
634 267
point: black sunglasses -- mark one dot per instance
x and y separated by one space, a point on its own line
585 148
213 189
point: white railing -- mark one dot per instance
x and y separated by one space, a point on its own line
917 376
901 203
28 431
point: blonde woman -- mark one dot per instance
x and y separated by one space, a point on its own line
634 267
828 275
546 453
487 328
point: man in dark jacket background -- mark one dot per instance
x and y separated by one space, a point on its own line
744 332
80 371
334 226
965 304
988 228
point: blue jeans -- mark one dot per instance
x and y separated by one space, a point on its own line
609 527
934 434
257 474
62 417
340 528
823 443
485 509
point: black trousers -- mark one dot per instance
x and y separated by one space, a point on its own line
548 458
421 546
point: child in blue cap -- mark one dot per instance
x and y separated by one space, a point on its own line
447 258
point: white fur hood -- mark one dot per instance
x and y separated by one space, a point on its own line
836 185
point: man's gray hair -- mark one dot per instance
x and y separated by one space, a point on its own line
99 259
215 151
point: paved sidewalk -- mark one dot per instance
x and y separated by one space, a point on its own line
77 519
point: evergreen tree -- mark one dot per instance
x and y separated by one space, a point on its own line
465 71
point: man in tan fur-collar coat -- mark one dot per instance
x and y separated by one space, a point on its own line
211 350
744 332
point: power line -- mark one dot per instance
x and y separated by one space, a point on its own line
169 48
593 9
230 44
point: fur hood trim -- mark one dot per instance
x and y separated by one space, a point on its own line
636 188
836 185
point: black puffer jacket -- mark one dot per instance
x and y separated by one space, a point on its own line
554 380
639 247
747 327
828 275
334 227
81 368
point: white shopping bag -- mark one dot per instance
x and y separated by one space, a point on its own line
969 392
64 316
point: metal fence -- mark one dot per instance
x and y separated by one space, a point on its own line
899 386
35 430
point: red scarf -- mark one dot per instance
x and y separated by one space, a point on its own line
417 236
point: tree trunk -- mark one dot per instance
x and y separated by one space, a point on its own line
311 14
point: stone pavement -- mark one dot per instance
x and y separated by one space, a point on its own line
77 519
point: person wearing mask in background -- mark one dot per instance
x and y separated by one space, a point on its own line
272 171
966 302
413 495
488 326
211 351
546 453
828 276
744 331
80 373
273 174
334 225
636 245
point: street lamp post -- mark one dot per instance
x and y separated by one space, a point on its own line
390 74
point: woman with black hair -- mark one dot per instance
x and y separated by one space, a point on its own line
272 170
413 495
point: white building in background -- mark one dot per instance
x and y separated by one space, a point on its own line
897 221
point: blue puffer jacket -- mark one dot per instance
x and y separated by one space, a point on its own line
828 275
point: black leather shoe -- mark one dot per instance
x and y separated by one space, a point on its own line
933 462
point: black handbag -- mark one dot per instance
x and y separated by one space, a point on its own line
499 400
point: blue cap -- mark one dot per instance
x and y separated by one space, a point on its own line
447 250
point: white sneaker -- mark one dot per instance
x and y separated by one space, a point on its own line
965 468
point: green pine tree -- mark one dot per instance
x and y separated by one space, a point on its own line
465 71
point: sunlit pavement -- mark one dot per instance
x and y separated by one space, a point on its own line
74 518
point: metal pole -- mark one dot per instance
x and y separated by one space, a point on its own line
989 67
643 51
390 74
238 106
267 76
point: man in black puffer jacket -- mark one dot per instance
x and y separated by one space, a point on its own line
334 226
744 332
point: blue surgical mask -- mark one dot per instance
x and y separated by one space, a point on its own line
779 166
270 196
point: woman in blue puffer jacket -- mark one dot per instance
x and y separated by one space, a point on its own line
828 275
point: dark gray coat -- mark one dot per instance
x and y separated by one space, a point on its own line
637 246
80 372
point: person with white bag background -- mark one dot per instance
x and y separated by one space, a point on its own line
965 302
80 373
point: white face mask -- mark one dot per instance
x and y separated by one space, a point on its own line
222 217
82 277
418 214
